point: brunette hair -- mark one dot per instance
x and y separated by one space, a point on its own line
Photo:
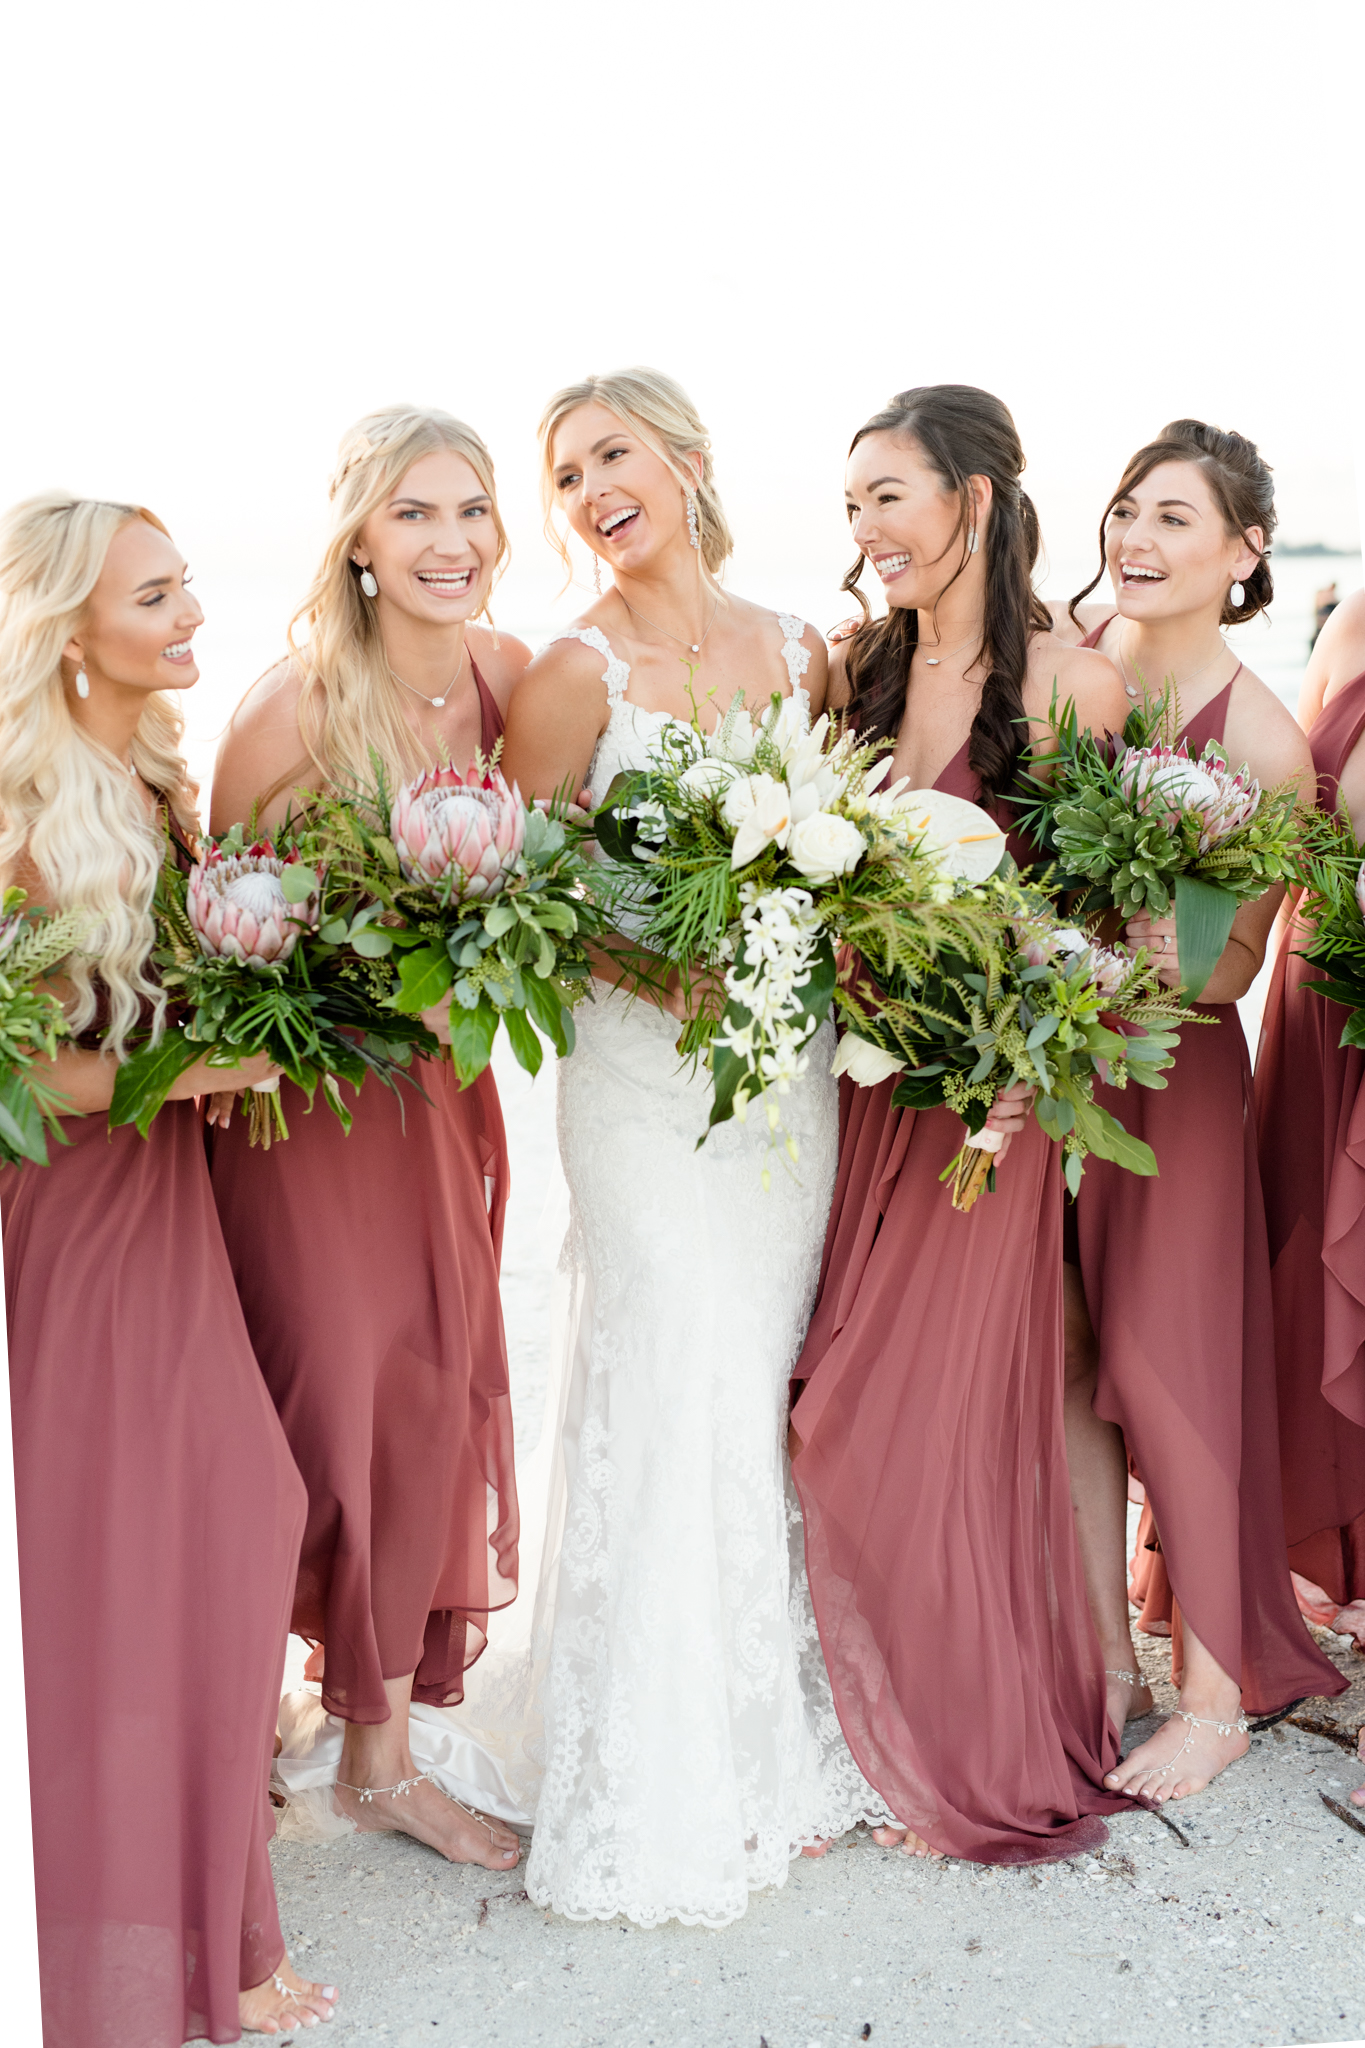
961 432
1243 487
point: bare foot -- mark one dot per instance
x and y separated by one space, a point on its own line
1350 1621
429 1816
1184 1755
907 1841
285 2003
1127 1696
818 1848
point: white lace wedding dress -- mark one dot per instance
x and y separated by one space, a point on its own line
666 1717
690 1744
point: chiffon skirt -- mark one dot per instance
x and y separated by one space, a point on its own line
159 1521
368 1271
1311 1118
1177 1278
932 1472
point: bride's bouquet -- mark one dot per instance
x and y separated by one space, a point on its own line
1027 1000
243 953
1330 864
1138 824
475 898
756 851
32 1025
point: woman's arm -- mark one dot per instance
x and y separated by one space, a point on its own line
87 1079
816 678
557 714
1337 658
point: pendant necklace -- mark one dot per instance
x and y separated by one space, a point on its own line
692 646
1131 689
936 660
436 703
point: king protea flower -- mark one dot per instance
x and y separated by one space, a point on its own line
1165 778
468 827
1360 888
239 910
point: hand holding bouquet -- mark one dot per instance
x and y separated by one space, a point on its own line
1029 1001
479 900
239 948
1137 823
755 851
32 1026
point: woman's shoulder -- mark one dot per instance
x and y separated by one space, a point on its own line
501 659
1340 648
271 703
1261 730
1088 616
1059 670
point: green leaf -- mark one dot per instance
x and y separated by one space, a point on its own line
525 1044
1043 1030
1203 919
372 943
500 919
21 1121
144 1080
423 978
1073 1170
471 1040
542 1000
297 882
333 931
1105 1136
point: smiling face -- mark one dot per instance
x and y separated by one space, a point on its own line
618 495
140 618
1168 548
433 546
905 521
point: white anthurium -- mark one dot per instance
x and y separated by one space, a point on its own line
822 846
758 810
966 840
865 1063
790 729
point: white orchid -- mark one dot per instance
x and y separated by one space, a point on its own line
758 809
865 1062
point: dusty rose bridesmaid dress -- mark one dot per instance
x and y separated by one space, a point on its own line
1177 1279
932 1471
159 1523
368 1270
1311 1114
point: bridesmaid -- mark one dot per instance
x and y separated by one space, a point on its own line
159 1511
928 1438
368 1265
1170 1352
1309 1109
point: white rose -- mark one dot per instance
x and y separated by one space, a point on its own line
865 1063
708 778
823 846
758 810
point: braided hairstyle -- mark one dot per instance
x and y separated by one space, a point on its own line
1243 488
961 432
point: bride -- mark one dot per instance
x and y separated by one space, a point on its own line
690 1746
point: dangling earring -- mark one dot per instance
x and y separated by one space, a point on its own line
693 531
82 682
1236 595
972 542
597 572
368 584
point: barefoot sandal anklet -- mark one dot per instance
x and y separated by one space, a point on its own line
367 1794
1132 1678
1241 1726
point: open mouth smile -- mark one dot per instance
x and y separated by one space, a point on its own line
1133 577
889 567
179 650
446 582
619 522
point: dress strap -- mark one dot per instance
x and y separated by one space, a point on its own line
1093 638
794 654
618 671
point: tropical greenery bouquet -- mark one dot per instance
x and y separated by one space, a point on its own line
32 1025
462 894
1026 999
1330 864
1137 823
749 855
251 951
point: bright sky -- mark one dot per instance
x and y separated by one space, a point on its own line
233 229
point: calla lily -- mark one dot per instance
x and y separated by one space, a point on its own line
865 1063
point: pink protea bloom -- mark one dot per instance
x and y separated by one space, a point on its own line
1360 888
1164 778
239 910
468 827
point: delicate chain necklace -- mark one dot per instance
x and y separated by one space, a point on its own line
436 703
693 646
936 660
1131 689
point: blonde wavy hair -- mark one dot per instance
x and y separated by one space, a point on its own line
65 800
662 414
350 704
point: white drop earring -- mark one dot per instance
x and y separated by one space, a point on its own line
1236 595
693 531
368 584
972 542
82 683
